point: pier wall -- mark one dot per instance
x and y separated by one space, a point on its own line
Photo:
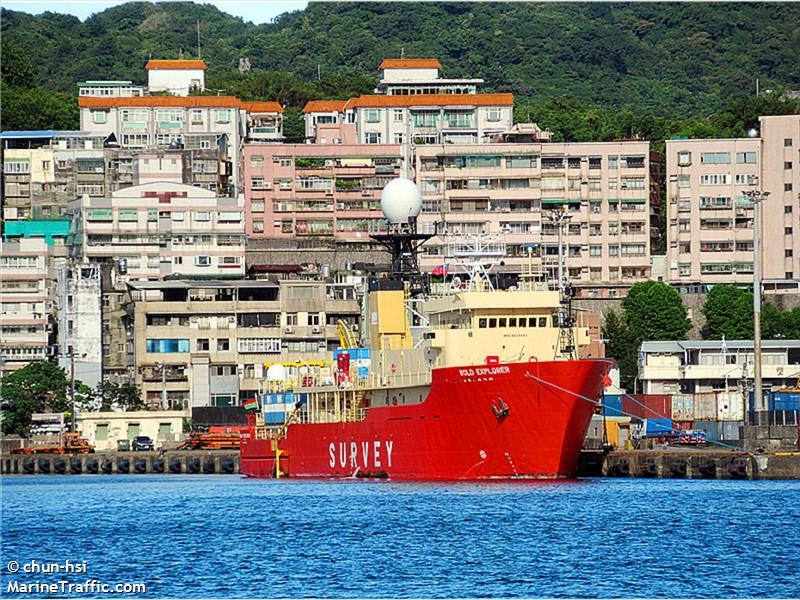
108 463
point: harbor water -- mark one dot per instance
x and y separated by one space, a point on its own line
225 536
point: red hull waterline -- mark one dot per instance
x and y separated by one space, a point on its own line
461 431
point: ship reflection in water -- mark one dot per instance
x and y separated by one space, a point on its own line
227 536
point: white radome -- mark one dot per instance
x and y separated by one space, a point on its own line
276 373
401 200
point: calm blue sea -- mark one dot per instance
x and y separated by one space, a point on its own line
224 536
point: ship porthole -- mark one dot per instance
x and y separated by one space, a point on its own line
482 454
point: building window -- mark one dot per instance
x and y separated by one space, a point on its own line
787 187
372 138
222 116
787 142
595 251
372 115
493 114
787 230
684 159
197 116
788 253
398 115
746 158
787 165
167 345
223 344
399 138
715 158
787 210
202 344
257 206
256 160
722 179
99 117
202 261
291 319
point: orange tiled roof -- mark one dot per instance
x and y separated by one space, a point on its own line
178 101
432 100
175 64
324 106
262 106
410 63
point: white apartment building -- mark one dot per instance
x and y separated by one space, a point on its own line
710 220
159 229
413 102
513 189
178 77
24 306
688 367
80 321
148 122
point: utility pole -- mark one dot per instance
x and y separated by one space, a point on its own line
756 196
73 427
163 385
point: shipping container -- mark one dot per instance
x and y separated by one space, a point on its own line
730 406
648 406
705 406
682 407
612 405
785 401
711 427
730 430
658 427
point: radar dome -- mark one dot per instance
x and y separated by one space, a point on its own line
401 200
276 372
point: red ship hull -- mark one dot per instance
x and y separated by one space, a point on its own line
480 422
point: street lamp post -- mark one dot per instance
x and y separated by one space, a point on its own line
756 197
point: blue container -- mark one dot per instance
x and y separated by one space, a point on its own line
612 405
784 401
656 427
710 427
363 373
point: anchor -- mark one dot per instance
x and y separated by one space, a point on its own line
501 411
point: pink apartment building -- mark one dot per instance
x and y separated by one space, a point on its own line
710 220
513 189
316 190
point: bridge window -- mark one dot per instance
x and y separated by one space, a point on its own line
492 323
542 321
502 322
512 322
482 323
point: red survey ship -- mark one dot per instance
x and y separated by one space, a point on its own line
526 419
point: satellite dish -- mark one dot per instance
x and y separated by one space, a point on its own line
276 373
401 200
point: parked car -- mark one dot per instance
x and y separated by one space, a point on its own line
142 442
123 445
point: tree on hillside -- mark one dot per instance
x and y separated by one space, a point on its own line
40 386
655 311
728 311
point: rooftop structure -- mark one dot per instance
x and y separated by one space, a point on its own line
408 76
178 77
673 367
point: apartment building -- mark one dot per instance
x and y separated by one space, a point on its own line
424 119
329 191
710 219
79 318
604 189
146 122
780 175
413 102
674 367
161 229
24 307
44 171
208 343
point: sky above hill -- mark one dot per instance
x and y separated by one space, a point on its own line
256 11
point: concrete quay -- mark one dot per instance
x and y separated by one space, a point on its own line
108 463
689 464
